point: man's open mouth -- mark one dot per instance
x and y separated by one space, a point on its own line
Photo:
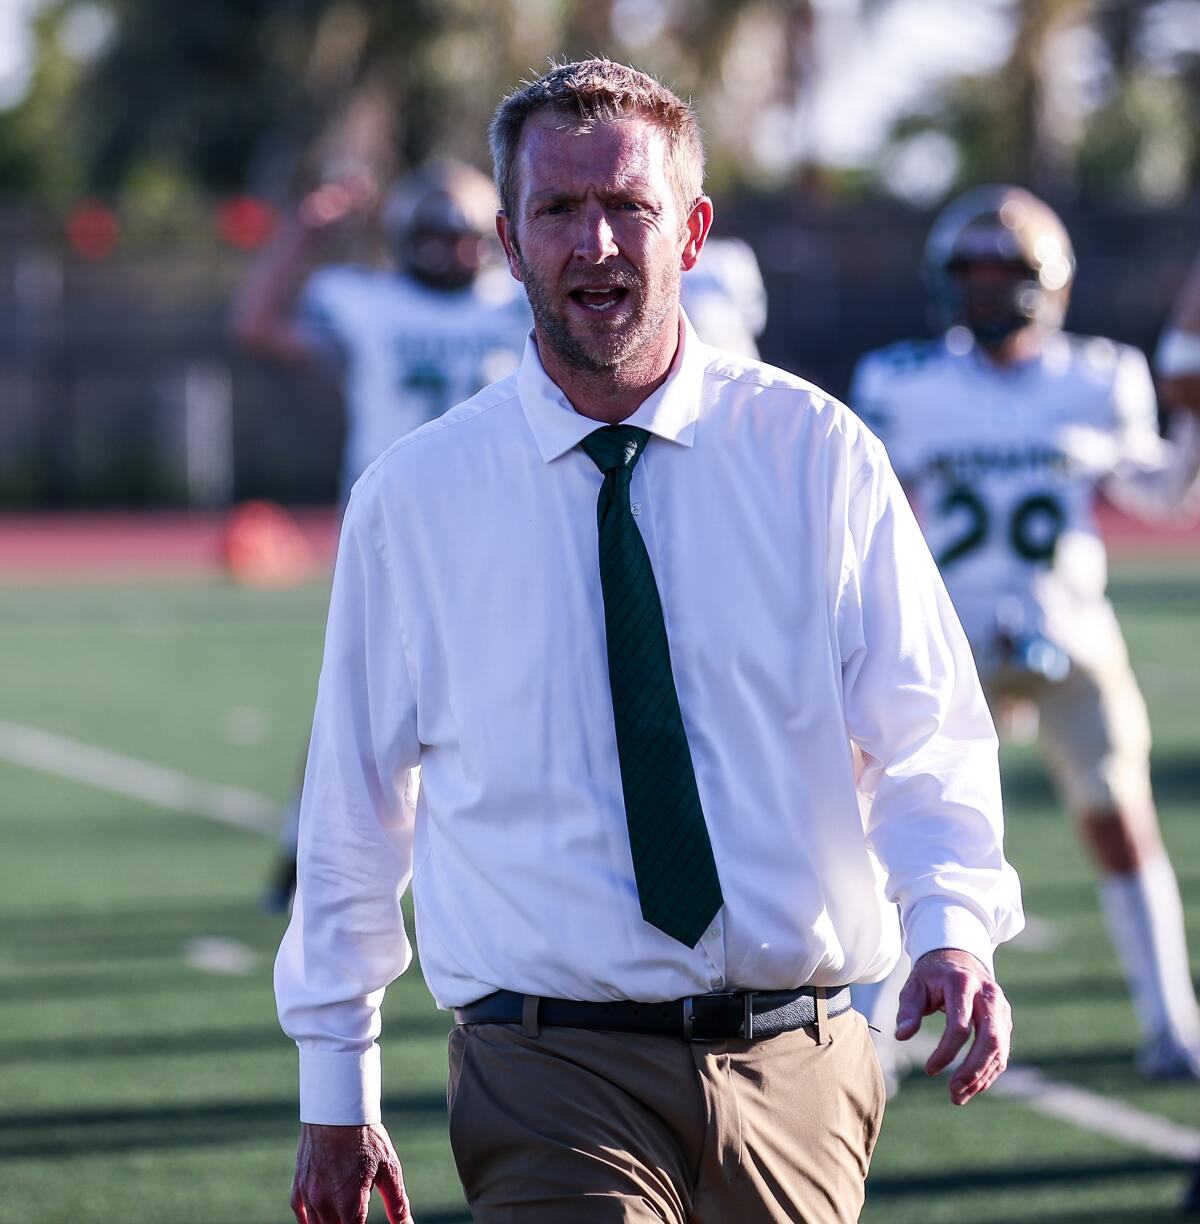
600 298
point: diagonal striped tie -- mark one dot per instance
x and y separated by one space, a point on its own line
672 856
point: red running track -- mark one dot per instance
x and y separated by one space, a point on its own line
156 546
175 546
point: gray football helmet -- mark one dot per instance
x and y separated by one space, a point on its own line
440 221
1001 225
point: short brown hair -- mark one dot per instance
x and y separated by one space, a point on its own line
594 91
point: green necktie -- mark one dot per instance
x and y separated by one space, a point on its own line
672 856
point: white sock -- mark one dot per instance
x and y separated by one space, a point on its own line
1145 922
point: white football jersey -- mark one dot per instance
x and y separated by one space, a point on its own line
1003 466
406 353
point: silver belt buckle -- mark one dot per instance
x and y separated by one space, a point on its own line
689 1018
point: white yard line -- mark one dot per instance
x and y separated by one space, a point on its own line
1102 1115
1038 935
1089 1111
135 778
214 954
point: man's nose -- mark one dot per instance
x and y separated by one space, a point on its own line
594 241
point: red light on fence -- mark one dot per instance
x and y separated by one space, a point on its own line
245 222
92 230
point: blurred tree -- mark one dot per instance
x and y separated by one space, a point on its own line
225 95
1141 138
39 155
235 93
199 88
1095 96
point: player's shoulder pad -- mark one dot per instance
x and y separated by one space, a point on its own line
1107 363
1096 354
902 358
344 278
345 292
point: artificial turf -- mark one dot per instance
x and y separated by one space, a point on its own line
138 1085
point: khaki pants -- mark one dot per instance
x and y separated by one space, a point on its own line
1093 728
578 1125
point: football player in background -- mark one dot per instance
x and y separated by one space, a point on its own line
1004 431
1177 363
404 342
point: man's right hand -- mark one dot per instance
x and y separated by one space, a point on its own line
955 982
336 1169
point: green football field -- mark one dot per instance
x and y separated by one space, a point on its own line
146 733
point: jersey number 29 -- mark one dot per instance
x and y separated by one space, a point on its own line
1034 525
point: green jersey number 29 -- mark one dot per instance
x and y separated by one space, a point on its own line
1032 528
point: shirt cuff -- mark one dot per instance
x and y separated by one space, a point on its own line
942 924
340 1087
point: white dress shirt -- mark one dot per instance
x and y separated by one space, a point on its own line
843 752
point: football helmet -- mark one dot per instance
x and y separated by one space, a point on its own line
1002 227
440 222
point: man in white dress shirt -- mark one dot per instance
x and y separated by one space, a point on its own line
693 716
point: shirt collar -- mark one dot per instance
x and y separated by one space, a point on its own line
669 413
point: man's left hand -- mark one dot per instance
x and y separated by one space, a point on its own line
958 984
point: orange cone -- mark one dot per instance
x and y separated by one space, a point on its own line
264 547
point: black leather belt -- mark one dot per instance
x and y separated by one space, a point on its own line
745 1014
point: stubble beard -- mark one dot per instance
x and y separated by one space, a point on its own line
654 301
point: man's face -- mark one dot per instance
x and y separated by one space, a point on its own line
598 241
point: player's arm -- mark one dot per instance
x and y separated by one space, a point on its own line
264 318
1156 479
1178 358
346 939
914 708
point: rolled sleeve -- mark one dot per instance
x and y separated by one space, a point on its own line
915 709
346 940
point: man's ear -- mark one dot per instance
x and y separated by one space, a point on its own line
696 230
505 230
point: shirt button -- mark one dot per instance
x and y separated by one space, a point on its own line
714 932
636 507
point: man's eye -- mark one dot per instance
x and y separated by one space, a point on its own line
554 210
632 206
